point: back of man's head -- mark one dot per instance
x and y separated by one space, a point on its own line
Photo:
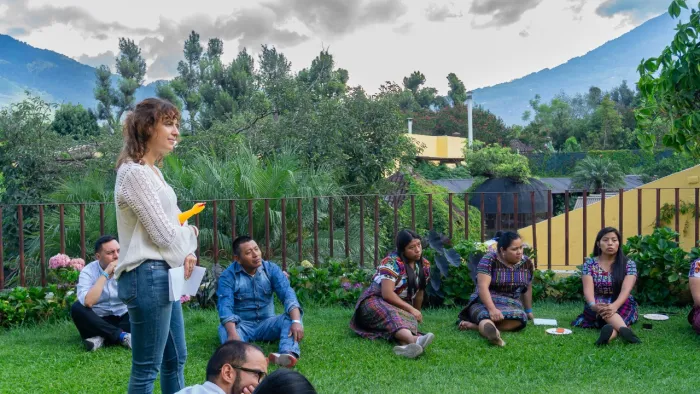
231 352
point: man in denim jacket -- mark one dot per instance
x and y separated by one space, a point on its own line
246 307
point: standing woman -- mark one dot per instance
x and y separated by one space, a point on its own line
152 241
608 279
390 307
694 283
502 300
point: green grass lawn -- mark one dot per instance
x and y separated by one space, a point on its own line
51 359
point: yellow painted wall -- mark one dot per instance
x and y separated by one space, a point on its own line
686 180
440 146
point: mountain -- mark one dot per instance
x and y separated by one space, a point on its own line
605 67
62 79
57 78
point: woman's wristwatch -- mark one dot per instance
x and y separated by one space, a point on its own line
297 321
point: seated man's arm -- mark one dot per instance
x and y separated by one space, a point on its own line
89 288
225 303
285 292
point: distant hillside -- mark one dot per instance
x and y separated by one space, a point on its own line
606 67
55 77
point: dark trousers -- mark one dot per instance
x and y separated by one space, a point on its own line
90 325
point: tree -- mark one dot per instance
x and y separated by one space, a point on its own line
670 87
275 78
106 97
76 121
414 81
607 128
186 85
132 68
571 145
165 91
495 161
457 92
597 173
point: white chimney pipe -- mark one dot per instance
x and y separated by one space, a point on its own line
469 118
410 125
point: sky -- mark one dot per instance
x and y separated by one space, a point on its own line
485 42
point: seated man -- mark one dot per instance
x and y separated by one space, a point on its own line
235 367
246 307
99 314
694 282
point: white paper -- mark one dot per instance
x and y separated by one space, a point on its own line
180 287
545 322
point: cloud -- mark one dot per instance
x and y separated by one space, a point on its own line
104 58
524 33
436 13
31 18
101 36
403 29
632 10
17 31
338 17
502 12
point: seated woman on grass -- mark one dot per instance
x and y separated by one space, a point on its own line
608 279
694 282
502 300
390 307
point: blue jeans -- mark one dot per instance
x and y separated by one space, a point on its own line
268 330
157 329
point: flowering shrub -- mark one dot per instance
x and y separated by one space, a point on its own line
184 299
65 269
35 305
336 283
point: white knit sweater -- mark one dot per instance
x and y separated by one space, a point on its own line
147 220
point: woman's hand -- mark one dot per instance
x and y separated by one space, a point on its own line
531 316
417 314
608 311
598 308
190 262
496 315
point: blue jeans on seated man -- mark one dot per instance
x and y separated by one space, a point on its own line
266 330
157 329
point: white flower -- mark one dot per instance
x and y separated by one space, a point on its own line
49 296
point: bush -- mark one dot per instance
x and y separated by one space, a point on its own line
662 267
23 305
337 283
497 162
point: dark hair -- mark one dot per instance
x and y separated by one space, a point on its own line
619 266
497 236
403 238
238 242
103 240
139 127
230 352
285 381
506 239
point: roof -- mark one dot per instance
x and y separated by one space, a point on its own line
558 185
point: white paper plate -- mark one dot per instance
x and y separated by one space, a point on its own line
553 331
655 316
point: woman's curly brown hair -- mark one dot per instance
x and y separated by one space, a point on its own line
139 127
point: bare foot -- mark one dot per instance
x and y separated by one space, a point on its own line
466 325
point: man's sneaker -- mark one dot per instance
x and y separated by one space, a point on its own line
412 350
126 342
94 343
425 340
283 360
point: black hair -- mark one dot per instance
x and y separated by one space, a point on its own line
103 240
230 352
497 236
285 381
238 242
619 266
403 238
506 239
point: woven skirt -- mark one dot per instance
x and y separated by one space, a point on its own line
511 308
375 318
590 319
694 318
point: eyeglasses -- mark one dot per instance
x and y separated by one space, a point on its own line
261 374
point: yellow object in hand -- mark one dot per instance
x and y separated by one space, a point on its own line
197 208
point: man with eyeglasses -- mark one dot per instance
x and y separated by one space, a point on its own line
235 368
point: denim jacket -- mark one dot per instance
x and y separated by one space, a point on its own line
242 297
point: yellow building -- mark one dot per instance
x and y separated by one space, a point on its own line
633 202
440 148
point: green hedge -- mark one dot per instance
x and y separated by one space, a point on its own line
562 164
